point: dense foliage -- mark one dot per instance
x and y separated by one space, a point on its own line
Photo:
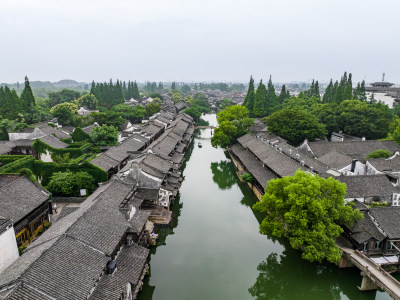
69 183
108 94
104 135
295 125
79 135
379 154
233 122
65 113
308 210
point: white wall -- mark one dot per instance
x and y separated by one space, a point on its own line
8 248
381 97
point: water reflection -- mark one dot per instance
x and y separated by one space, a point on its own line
223 174
287 276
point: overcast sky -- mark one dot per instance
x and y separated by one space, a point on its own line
203 40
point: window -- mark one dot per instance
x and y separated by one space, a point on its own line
377 245
396 200
365 245
390 246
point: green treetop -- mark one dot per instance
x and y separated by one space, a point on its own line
249 99
283 95
271 96
295 125
28 101
307 210
135 91
233 122
260 101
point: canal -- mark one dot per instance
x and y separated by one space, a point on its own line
214 250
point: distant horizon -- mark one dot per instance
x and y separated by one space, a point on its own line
192 82
199 41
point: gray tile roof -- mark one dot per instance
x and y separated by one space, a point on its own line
384 164
365 229
49 130
68 270
53 142
66 211
388 218
104 162
363 186
25 292
130 263
157 163
20 197
335 159
356 149
279 163
262 175
6 147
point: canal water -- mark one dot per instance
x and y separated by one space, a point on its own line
214 250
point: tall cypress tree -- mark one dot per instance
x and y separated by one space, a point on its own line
260 101
356 94
316 90
282 95
135 91
328 95
249 99
363 96
271 96
93 88
338 98
28 101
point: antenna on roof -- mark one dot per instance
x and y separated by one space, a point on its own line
383 77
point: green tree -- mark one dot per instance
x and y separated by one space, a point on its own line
249 99
283 95
173 86
185 89
307 210
65 112
135 91
152 108
260 101
233 122
69 183
247 177
176 97
295 125
104 135
28 101
271 96
194 113
79 135
88 101
329 94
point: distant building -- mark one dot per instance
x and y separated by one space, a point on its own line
383 92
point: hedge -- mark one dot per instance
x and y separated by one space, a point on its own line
26 162
41 148
6 159
44 170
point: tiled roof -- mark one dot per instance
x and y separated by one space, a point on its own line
25 292
356 149
68 270
365 229
362 186
384 164
130 263
262 175
388 218
53 142
66 211
20 197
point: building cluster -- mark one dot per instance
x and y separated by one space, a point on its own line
97 249
373 184
383 92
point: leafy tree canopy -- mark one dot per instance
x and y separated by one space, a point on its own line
307 210
295 125
79 135
64 112
104 135
233 122
69 183
88 101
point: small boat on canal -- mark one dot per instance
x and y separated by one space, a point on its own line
199 144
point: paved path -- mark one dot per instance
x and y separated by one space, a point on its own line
377 274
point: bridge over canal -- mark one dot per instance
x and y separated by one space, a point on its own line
373 275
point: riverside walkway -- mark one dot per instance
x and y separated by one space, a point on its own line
373 275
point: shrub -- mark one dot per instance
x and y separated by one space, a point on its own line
247 177
379 154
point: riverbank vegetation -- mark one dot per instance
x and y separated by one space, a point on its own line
307 210
233 122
